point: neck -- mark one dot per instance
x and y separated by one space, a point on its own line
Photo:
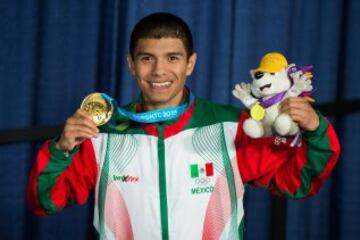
150 106
273 95
271 100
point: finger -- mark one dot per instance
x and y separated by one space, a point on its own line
299 116
292 99
296 110
308 74
78 131
309 99
300 113
291 65
235 93
70 135
297 113
79 140
309 88
68 144
295 105
82 113
309 81
91 129
295 75
238 87
292 102
82 121
308 121
303 77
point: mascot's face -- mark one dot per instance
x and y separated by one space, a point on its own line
269 84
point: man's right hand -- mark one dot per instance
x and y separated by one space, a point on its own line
77 128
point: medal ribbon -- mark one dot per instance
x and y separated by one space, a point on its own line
154 116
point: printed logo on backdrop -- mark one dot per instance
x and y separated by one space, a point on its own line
201 175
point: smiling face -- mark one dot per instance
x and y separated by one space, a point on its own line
268 84
160 67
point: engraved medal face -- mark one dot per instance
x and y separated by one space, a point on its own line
100 109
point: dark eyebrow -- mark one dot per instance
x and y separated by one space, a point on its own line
168 54
143 54
175 53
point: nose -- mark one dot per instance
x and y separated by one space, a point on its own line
159 67
258 75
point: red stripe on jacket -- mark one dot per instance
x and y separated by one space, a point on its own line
74 183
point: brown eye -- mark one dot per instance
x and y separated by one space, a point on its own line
173 58
145 59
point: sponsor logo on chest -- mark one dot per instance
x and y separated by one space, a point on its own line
126 178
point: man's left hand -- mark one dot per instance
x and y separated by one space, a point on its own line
301 112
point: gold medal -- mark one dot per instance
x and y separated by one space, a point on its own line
100 109
257 112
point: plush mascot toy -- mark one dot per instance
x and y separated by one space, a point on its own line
272 82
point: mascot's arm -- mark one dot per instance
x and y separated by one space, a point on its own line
301 84
57 179
293 172
242 92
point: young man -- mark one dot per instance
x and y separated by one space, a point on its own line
182 178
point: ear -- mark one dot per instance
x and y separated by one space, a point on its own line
131 64
191 64
252 72
291 65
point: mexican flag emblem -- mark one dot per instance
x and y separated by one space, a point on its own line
202 170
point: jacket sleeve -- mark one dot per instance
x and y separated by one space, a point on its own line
57 179
293 172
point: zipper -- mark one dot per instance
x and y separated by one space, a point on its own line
162 185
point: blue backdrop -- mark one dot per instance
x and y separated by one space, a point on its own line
55 52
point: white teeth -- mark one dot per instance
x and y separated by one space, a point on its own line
162 84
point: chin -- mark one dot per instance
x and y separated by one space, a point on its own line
159 99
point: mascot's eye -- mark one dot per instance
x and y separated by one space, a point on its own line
258 75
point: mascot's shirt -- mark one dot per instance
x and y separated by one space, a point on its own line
180 180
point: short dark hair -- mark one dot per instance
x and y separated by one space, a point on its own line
162 25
